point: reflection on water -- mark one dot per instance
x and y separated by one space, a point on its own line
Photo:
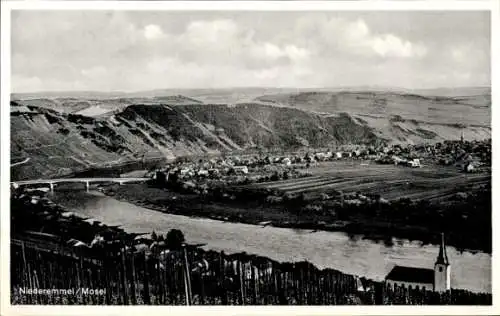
324 249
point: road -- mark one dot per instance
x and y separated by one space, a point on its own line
20 162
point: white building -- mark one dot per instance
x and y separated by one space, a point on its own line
241 169
203 173
438 280
415 163
320 156
286 161
469 168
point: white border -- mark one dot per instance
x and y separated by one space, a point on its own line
453 5
6 6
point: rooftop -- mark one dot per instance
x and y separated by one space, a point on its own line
410 274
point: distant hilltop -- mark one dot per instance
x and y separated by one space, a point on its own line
254 91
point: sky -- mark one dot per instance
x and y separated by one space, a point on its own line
142 50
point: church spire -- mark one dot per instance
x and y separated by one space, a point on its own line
442 257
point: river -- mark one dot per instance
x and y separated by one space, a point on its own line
323 249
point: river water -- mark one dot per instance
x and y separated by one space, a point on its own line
324 249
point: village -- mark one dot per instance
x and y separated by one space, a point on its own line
466 156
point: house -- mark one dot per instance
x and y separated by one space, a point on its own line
320 156
415 163
398 160
185 171
203 173
298 159
188 185
240 169
236 160
219 130
383 201
286 161
469 167
338 155
410 277
353 202
213 171
437 279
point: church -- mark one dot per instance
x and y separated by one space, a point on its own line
437 279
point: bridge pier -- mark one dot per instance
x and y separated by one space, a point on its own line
87 186
51 184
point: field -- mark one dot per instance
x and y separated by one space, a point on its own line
391 182
464 218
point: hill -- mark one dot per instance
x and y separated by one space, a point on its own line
94 106
400 117
58 143
65 134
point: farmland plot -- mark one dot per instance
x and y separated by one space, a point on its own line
391 182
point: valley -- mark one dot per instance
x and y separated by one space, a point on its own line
78 132
52 140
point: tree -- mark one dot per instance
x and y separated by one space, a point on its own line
160 178
174 239
275 176
173 180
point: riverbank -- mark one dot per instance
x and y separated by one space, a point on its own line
253 213
334 250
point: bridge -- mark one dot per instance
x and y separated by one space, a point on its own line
87 181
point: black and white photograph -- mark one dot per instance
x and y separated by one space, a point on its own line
240 157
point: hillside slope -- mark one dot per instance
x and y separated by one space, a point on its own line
399 117
66 134
58 143
95 106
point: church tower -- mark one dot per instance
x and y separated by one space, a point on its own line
442 269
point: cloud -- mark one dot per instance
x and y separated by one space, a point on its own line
356 37
361 39
152 32
464 53
273 52
94 72
224 42
388 45
458 54
141 50
211 32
